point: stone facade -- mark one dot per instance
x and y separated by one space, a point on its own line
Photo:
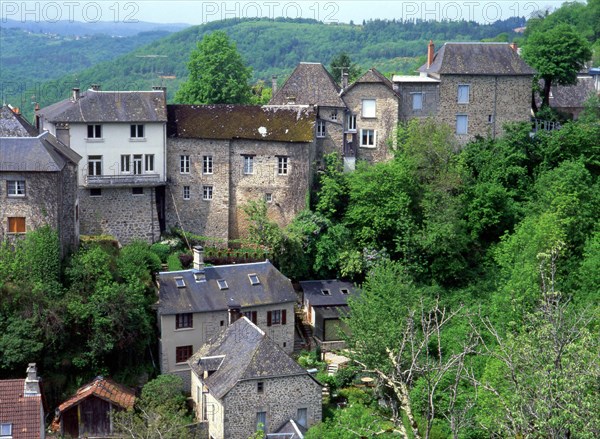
430 99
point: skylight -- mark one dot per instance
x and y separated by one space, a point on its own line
222 284
254 280
326 292
179 282
344 291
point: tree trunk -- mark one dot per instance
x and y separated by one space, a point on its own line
547 87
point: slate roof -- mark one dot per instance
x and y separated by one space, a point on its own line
105 389
313 292
571 96
23 412
477 59
35 154
109 106
290 430
372 76
309 84
241 122
14 125
248 353
206 296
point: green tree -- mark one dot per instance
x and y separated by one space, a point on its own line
343 63
217 73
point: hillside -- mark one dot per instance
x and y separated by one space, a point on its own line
274 47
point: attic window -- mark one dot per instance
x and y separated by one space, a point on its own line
326 292
179 282
200 276
254 280
222 284
344 291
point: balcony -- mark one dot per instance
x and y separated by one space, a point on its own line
125 180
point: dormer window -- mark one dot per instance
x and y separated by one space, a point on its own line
179 282
344 291
254 280
222 284
200 276
326 292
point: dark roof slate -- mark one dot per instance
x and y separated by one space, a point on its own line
206 296
109 106
572 96
35 154
309 84
478 59
313 292
290 430
14 125
23 412
248 353
241 122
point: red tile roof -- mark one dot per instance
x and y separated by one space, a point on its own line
23 412
103 388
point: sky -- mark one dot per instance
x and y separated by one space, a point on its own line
199 12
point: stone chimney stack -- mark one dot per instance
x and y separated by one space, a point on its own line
32 382
273 85
430 53
198 257
514 47
75 95
344 80
95 87
161 88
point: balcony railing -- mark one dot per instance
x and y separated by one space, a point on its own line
123 180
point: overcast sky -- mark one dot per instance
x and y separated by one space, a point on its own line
198 12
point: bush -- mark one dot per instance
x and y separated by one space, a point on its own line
186 260
137 260
161 250
174 263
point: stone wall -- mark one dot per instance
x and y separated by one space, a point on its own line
68 209
430 102
119 213
334 132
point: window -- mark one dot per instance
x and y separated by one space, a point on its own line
260 386
15 188
261 421
248 164
268 197
125 164
137 131
137 164
182 353
301 417
334 115
344 291
417 101
251 315
282 165
320 128
149 163
94 131
254 280
95 192
5 430
462 123
207 192
186 192
326 292
222 283
95 165
184 164
16 224
367 138
490 118
137 190
276 317
207 164
351 125
179 282
463 93
184 321
369 108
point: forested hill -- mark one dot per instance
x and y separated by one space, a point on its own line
274 47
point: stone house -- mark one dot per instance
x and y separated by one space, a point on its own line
569 100
38 184
482 86
22 407
220 157
122 137
195 305
242 381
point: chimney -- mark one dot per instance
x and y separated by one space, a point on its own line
291 100
430 53
344 79
273 85
75 95
235 311
32 382
514 47
37 106
198 257
95 87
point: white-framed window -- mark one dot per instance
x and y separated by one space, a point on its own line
248 164
186 192
351 124
5 430
367 138
180 282
207 164
417 101
334 115
184 164
462 124
268 197
137 163
94 131
94 165
125 164
254 280
137 131
320 128
15 188
369 108
149 165
207 192
282 165
222 283
302 416
463 93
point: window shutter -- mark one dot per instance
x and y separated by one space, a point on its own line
268 318
254 317
283 316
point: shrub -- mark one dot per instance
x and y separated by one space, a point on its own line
186 260
161 250
174 263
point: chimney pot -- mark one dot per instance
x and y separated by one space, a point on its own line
75 93
198 257
344 79
514 47
273 85
430 53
